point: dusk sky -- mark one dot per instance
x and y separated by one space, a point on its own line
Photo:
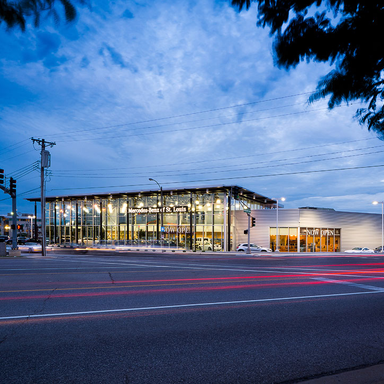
184 92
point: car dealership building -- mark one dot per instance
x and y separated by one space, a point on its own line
209 218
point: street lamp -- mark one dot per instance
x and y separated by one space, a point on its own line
382 222
277 222
161 205
31 217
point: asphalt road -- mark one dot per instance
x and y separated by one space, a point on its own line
185 318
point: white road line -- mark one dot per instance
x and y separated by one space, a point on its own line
363 286
207 267
188 305
234 269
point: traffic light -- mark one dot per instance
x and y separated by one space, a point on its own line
253 222
12 186
1 176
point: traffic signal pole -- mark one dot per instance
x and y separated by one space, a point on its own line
14 220
249 233
12 192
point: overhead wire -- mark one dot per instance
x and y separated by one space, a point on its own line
121 134
228 178
98 172
83 176
25 170
16 145
182 115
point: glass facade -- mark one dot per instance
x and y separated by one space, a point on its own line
310 240
197 220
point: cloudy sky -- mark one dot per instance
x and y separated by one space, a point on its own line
184 92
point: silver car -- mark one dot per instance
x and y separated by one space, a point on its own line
254 248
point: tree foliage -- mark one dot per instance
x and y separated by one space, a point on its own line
345 33
15 13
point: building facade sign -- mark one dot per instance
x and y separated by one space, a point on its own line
174 229
317 232
153 210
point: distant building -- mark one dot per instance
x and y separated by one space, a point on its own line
25 224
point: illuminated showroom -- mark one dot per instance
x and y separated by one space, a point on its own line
209 218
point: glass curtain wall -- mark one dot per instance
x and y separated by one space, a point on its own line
105 221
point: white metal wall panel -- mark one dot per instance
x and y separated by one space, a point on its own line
357 229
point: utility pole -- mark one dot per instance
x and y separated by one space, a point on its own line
45 163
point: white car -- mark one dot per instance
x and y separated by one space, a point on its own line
360 250
205 247
30 247
217 247
254 248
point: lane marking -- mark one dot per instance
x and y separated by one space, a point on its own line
206 267
210 268
357 285
252 283
188 305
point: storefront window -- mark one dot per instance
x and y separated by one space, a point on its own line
273 239
303 240
337 240
283 239
292 239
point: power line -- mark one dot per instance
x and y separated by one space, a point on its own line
184 115
98 171
25 170
98 176
13 145
183 122
229 178
201 127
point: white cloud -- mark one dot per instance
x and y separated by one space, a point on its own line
165 59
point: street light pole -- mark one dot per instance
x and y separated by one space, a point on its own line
382 222
277 222
31 229
162 208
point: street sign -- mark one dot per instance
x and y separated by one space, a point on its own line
247 210
162 229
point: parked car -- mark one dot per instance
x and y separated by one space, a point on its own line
254 248
205 247
30 247
379 249
217 247
22 239
360 250
4 238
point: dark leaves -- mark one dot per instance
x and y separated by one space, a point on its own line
15 13
352 41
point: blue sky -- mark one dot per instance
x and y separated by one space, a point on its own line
184 92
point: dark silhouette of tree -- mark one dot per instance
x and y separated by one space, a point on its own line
346 33
15 13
